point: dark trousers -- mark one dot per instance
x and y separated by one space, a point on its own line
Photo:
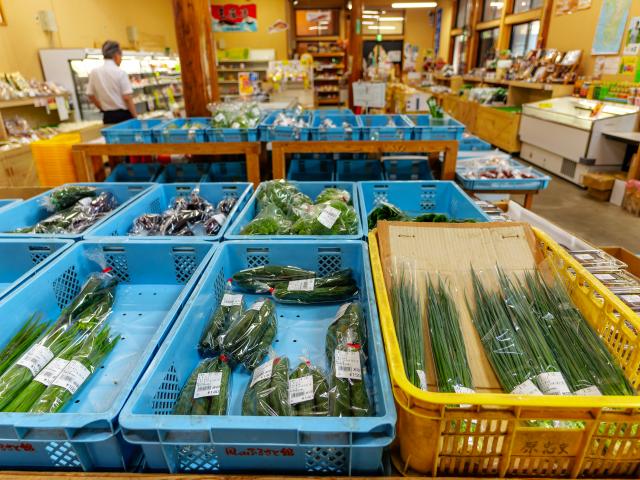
115 116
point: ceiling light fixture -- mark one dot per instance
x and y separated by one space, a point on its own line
382 27
371 16
414 5
392 19
370 12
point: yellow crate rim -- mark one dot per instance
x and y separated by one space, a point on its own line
396 366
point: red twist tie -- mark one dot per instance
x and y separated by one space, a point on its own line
271 290
224 358
354 345
107 270
276 360
308 362
230 280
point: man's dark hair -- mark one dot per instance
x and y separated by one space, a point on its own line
110 48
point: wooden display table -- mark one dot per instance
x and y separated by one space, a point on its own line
90 165
450 149
528 195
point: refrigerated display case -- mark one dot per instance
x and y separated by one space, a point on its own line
155 77
565 135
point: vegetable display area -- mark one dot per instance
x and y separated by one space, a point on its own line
315 351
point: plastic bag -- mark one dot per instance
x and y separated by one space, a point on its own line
247 341
333 218
264 278
267 393
386 211
65 197
225 314
330 194
347 327
269 221
337 287
206 391
308 390
76 373
283 195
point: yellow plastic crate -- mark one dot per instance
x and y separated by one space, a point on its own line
54 160
490 437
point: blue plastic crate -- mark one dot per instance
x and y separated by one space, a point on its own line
32 211
472 143
407 167
539 182
271 133
155 280
159 199
215 134
21 258
6 202
416 198
183 172
227 172
428 128
386 127
311 170
323 112
134 172
133 131
232 443
172 131
358 170
351 131
312 189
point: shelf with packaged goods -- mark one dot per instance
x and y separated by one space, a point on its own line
243 60
30 101
238 70
327 54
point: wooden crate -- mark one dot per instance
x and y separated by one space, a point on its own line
498 127
450 104
461 109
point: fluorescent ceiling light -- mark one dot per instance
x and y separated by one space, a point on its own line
382 27
391 19
414 5
370 16
370 12
368 22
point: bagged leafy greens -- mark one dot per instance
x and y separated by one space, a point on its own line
269 221
332 218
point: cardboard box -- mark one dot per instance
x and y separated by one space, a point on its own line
602 180
601 195
624 255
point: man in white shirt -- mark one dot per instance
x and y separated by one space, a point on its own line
109 87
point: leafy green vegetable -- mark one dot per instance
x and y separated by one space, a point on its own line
330 194
283 195
321 220
385 211
65 197
269 221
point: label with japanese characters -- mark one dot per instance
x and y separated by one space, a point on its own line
348 365
526 388
553 383
329 216
422 377
630 298
51 371
306 285
591 391
208 384
73 375
36 358
258 305
263 372
231 300
300 389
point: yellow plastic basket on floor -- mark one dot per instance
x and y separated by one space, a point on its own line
53 159
490 437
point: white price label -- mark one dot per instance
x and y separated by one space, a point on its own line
263 372
220 218
329 216
526 388
208 384
51 371
36 358
73 375
423 379
584 256
231 300
604 276
553 383
591 391
630 298
306 285
462 389
258 305
348 365
300 389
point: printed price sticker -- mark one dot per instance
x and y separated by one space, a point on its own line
553 383
263 372
329 216
73 375
208 384
306 285
423 379
258 305
231 300
461 389
348 365
51 371
526 388
300 389
36 358
604 276
591 391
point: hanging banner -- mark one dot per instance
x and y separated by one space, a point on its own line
235 18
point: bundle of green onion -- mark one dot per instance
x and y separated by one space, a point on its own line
21 341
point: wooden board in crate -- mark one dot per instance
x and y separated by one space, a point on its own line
498 127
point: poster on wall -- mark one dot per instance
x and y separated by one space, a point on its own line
564 7
235 18
610 29
632 41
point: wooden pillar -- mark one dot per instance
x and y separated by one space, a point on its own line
197 58
545 21
355 45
